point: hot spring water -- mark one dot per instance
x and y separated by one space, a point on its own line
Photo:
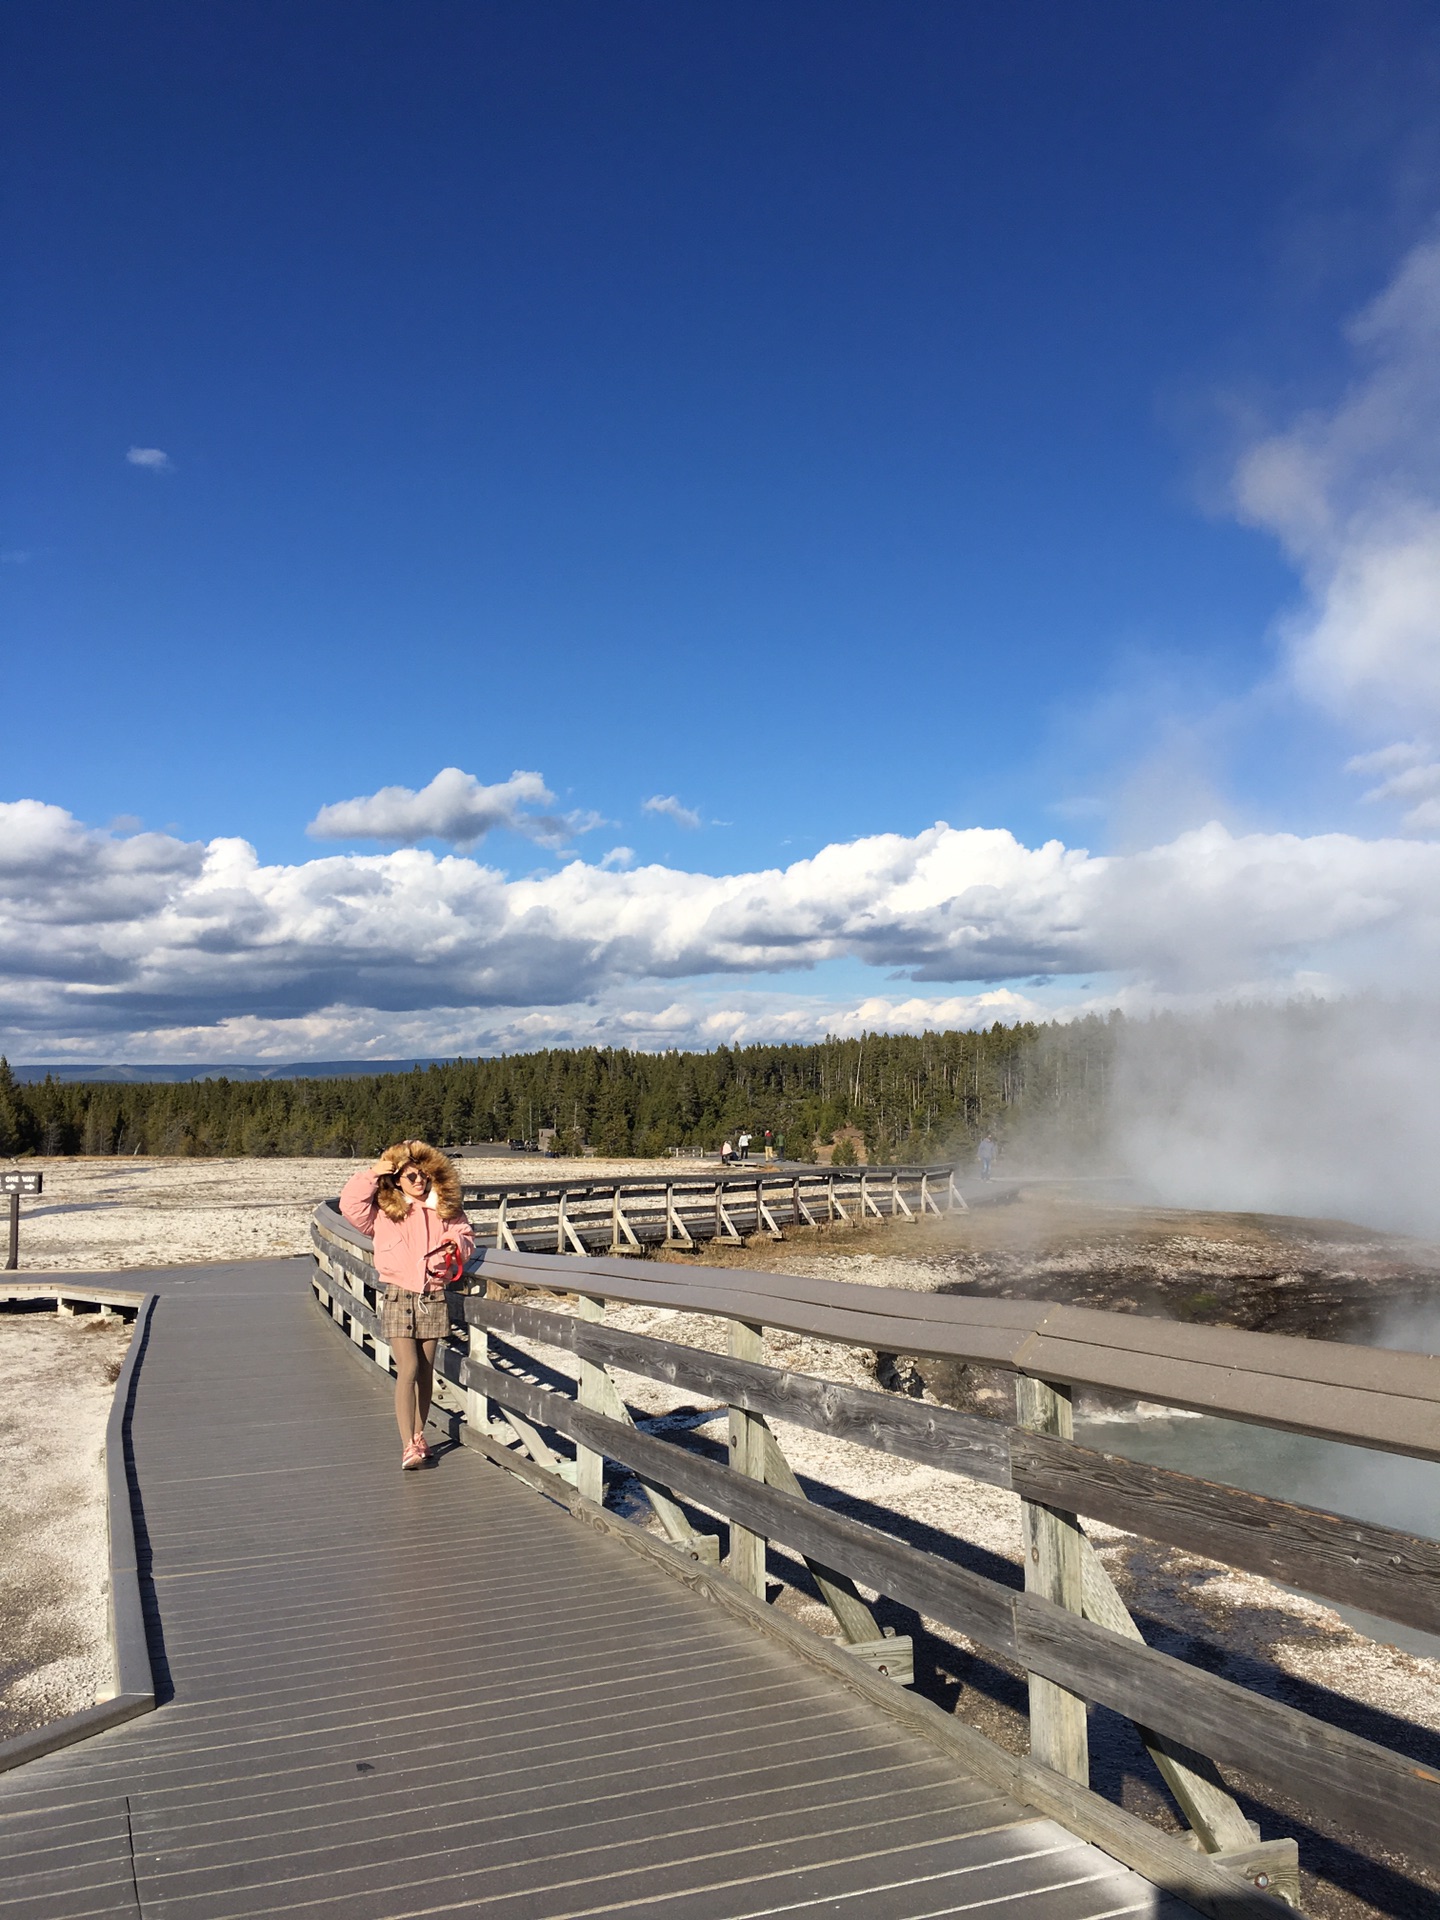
1382 1488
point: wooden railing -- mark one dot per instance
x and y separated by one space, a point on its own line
587 1216
1068 1629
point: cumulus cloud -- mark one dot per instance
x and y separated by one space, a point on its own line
671 808
147 934
454 807
152 459
1353 492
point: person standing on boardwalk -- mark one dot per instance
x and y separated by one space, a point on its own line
409 1203
985 1154
743 1141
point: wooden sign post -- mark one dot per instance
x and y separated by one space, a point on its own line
15 1183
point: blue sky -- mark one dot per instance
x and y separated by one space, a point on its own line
834 418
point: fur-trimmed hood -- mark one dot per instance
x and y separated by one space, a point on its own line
444 1194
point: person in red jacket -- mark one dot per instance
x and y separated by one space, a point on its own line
409 1203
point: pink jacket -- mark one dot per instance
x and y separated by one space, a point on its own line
403 1247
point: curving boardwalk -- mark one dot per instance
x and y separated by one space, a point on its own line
436 1694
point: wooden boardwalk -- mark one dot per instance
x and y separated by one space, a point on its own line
394 1696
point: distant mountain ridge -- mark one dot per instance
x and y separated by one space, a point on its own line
72 1071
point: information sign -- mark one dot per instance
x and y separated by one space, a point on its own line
12 1181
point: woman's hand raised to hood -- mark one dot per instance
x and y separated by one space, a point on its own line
396 1157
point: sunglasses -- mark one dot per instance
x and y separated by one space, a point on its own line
414 1173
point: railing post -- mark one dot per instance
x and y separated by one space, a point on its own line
589 1465
898 1203
747 1455
763 1216
504 1239
676 1231
1054 1569
479 1414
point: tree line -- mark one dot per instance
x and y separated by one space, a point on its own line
914 1097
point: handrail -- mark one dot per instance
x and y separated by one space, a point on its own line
738 1173
1373 1397
1068 1628
1351 1561
588 1215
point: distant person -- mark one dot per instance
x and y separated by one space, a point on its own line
409 1202
744 1145
727 1154
985 1154
769 1144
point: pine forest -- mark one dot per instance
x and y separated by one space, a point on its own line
912 1097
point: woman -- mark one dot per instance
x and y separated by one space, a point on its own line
409 1202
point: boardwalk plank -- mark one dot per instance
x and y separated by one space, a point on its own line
63 1862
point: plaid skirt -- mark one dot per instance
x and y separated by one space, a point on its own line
413 1316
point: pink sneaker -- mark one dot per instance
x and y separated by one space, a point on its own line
413 1456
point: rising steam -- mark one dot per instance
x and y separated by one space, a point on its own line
1324 1109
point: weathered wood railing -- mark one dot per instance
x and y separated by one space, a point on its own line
1068 1629
589 1216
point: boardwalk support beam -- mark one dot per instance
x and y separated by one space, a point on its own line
1051 1540
747 1455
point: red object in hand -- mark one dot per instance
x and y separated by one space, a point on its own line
445 1264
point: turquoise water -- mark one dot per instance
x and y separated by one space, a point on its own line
1379 1487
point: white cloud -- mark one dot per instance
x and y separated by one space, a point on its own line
151 936
1412 775
454 807
618 857
667 804
1353 492
153 459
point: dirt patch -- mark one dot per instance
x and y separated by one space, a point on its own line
56 1386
